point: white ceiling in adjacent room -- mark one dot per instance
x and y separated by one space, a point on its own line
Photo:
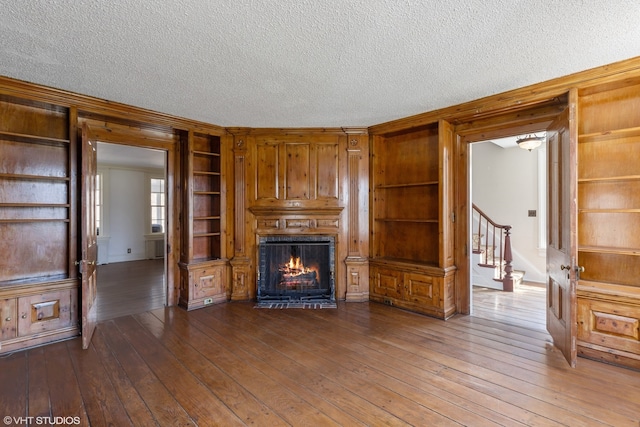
128 156
298 63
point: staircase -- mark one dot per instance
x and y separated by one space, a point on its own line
491 249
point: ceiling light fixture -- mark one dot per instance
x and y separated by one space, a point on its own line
529 142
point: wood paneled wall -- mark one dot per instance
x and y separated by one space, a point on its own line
279 181
606 119
302 181
39 201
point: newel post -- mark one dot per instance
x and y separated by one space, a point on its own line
507 281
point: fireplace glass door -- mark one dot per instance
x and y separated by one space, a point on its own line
296 268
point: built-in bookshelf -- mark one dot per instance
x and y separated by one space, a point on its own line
204 274
38 280
609 222
35 201
206 197
408 177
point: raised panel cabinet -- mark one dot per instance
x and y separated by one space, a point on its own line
37 314
426 290
8 319
609 324
45 312
387 284
203 285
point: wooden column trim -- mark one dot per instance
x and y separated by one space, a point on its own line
239 156
354 156
188 193
357 261
73 172
240 263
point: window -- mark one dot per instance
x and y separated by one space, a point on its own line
157 205
99 203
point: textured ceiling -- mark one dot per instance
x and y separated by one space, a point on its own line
298 63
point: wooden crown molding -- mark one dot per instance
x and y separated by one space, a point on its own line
92 107
287 131
516 99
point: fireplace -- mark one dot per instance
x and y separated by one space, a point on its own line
296 269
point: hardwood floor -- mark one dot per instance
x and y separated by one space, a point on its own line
525 306
129 288
359 364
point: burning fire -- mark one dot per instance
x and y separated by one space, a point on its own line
294 274
295 267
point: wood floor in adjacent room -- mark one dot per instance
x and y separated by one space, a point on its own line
525 306
359 364
130 287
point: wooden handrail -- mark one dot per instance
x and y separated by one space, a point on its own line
500 238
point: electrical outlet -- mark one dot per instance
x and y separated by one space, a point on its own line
208 301
128 250
532 213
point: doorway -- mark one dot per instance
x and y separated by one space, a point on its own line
131 216
508 184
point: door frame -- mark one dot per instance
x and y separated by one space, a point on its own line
540 159
530 119
170 143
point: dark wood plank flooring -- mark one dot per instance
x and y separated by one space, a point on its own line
129 288
359 364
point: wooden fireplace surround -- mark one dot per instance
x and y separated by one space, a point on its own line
301 182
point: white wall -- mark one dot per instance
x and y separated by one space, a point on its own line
504 185
126 210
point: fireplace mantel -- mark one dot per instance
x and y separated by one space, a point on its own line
259 211
297 219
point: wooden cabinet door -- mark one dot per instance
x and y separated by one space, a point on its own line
388 283
562 227
89 238
422 289
8 321
44 312
209 283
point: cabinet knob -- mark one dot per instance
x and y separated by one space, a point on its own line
8 319
24 316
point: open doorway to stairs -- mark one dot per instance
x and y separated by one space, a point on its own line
131 213
508 185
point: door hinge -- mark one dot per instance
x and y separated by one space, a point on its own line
453 217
